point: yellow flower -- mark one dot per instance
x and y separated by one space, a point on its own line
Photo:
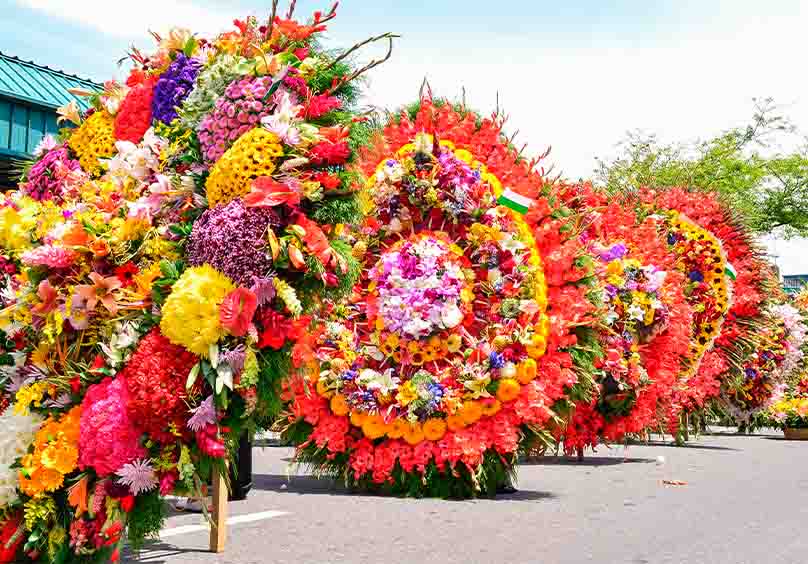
526 371
434 429
406 394
191 311
27 395
231 177
94 140
508 390
453 343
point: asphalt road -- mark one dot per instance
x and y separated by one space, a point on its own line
742 500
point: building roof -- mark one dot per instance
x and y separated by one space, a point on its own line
26 81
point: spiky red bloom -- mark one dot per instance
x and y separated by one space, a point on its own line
135 114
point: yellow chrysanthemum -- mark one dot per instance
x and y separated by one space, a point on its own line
94 140
252 155
191 311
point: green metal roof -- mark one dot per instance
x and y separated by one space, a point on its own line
26 81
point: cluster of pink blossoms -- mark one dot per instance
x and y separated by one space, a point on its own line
237 112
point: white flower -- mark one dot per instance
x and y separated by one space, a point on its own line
451 316
635 311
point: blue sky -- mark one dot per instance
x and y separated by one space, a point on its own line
572 74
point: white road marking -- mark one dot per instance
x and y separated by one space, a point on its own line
235 520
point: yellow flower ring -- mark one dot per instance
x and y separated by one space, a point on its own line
432 370
701 257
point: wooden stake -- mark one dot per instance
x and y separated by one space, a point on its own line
218 530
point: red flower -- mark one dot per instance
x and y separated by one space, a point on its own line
329 154
237 310
155 377
267 192
320 105
127 503
275 329
135 114
126 272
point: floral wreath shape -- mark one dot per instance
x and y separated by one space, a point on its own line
434 377
646 323
748 280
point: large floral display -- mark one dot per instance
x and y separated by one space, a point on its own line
159 264
646 321
731 282
457 343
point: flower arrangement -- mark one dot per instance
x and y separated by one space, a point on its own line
139 338
645 325
432 380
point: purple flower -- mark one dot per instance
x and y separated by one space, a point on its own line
46 177
231 238
173 87
203 416
616 251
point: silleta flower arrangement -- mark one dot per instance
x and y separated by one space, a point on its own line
748 280
160 264
645 327
446 362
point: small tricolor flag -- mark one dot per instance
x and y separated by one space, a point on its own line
730 271
514 201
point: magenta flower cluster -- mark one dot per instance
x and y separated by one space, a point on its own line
232 239
238 111
108 437
45 179
173 87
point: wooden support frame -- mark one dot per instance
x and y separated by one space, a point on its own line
218 526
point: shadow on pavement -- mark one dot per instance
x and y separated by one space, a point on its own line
587 461
685 446
156 552
309 485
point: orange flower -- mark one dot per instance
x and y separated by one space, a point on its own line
490 406
434 429
526 371
414 434
470 412
455 422
338 405
374 427
508 390
77 496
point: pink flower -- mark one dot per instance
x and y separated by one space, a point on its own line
138 475
102 290
50 256
108 438
237 310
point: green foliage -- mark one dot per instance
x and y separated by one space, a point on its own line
146 519
325 76
331 211
744 165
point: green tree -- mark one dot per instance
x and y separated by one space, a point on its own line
768 186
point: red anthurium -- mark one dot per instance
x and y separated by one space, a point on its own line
237 310
267 192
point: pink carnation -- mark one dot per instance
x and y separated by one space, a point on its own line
50 256
108 439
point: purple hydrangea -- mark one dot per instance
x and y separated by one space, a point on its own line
173 87
232 239
45 177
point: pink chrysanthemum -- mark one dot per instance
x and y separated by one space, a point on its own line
203 416
138 475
